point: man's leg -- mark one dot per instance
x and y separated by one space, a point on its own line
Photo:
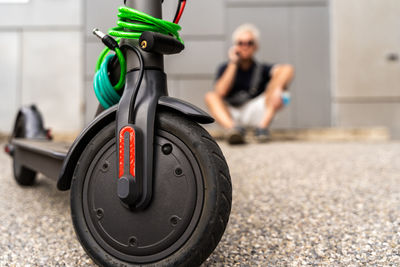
273 101
219 110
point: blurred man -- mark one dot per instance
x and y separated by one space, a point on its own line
246 92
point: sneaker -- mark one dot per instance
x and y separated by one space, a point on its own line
235 136
262 135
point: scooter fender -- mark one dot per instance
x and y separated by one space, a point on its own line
80 143
108 116
191 111
29 124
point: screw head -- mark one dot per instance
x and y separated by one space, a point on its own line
132 241
105 166
99 213
178 171
166 149
174 220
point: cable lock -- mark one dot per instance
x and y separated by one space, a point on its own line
105 92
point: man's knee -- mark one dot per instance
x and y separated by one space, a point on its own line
211 97
277 104
275 101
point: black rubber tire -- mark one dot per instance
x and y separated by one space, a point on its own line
23 175
217 195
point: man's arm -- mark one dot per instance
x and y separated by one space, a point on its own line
225 82
281 77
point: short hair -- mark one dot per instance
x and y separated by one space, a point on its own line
247 27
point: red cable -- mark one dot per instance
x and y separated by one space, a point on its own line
178 18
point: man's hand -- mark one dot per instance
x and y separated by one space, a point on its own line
234 55
224 84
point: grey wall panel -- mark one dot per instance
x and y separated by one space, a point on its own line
9 78
101 15
93 50
52 77
194 91
205 17
91 102
370 115
283 119
286 3
173 87
310 49
273 23
365 34
43 13
198 58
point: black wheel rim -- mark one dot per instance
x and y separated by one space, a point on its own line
160 230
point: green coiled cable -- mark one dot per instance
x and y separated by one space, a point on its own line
130 25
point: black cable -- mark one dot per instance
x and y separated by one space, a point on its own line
141 74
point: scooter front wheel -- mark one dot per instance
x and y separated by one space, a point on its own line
190 205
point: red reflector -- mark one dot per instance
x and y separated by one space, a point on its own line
131 148
48 134
7 149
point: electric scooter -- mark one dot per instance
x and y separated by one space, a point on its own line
149 186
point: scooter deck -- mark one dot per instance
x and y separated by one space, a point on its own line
41 156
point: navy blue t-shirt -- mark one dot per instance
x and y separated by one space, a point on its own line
243 81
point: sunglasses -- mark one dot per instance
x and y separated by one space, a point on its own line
249 43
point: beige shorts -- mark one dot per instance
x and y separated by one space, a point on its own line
249 114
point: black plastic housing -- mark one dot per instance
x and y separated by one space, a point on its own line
154 42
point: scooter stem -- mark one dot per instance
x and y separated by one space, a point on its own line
153 8
136 116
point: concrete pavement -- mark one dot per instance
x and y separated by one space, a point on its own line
294 204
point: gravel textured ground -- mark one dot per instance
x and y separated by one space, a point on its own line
294 204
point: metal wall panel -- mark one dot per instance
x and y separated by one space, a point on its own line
285 3
173 87
366 34
370 115
91 103
10 43
101 15
41 13
93 50
309 48
199 58
201 17
52 77
194 91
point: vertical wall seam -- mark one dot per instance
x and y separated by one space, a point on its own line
20 68
292 57
83 62
333 63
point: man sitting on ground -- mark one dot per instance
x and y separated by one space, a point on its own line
247 93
